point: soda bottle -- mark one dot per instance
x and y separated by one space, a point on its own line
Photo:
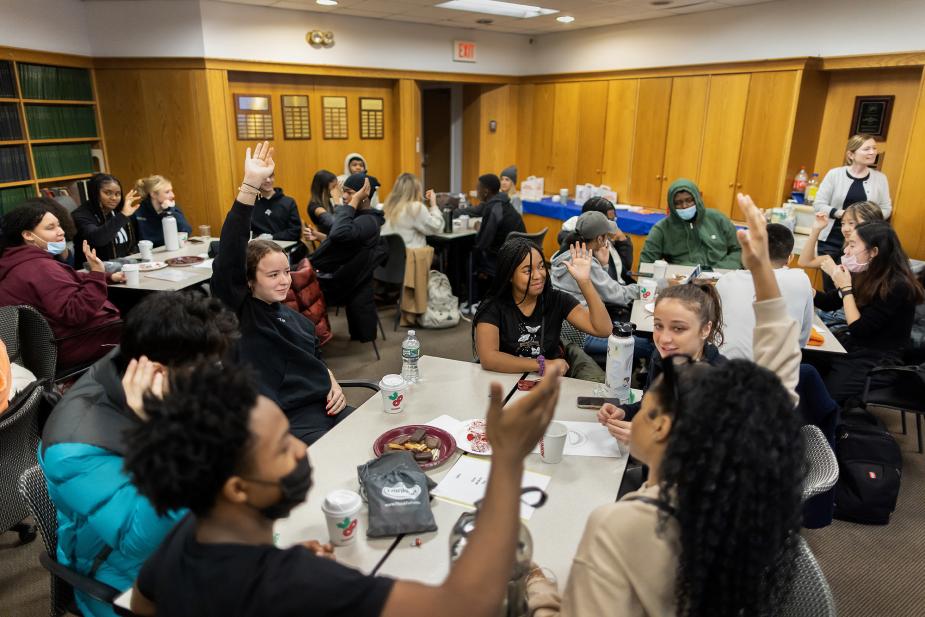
812 187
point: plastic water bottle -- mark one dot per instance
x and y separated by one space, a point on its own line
171 237
619 362
410 354
462 201
812 187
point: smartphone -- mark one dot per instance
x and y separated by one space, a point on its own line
195 241
527 384
596 402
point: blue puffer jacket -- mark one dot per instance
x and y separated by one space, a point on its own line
98 506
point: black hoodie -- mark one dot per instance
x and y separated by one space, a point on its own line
278 216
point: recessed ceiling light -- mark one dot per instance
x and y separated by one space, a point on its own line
494 7
565 19
326 2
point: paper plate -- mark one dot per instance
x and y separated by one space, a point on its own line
466 440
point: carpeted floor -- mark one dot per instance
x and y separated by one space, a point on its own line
873 571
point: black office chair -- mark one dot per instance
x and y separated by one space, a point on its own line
19 438
905 391
536 238
392 272
64 580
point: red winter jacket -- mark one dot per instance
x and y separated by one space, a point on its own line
72 302
305 297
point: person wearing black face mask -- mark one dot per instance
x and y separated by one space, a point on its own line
213 445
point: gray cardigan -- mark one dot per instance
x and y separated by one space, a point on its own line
834 188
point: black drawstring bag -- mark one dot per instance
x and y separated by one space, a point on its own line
398 495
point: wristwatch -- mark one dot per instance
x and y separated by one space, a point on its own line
847 291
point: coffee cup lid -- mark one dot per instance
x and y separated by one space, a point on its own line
392 382
341 501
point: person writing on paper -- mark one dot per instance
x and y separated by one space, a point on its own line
692 234
157 202
252 279
736 290
215 446
708 541
878 291
517 327
275 213
75 304
406 214
842 186
326 195
105 219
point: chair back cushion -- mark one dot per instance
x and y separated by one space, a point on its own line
305 297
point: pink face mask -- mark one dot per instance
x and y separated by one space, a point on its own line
852 265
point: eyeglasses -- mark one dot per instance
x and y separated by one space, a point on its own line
671 369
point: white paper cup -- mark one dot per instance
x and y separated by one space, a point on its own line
394 391
182 237
660 269
563 195
341 509
146 248
553 443
647 290
132 274
463 221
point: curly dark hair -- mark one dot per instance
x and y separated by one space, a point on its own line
733 469
195 438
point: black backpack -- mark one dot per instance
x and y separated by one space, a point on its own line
869 469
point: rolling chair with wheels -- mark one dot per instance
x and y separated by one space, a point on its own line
810 595
19 438
904 392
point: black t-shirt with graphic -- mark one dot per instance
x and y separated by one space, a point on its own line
520 335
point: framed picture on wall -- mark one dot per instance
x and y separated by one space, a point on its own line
872 115
253 117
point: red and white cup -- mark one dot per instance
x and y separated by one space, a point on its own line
341 512
394 390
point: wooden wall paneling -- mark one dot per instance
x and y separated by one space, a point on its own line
844 86
498 149
686 116
592 127
541 134
564 138
649 142
525 101
219 108
769 118
813 87
403 137
908 212
618 135
472 122
722 140
120 99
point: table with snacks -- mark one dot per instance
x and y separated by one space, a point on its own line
641 316
176 270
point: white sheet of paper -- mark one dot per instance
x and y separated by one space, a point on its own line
466 481
205 265
588 439
445 422
167 275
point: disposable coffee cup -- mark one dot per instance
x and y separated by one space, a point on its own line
341 509
146 248
659 269
394 391
132 274
553 443
205 232
647 290
463 221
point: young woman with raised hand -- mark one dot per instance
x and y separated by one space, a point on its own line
105 219
217 447
854 215
406 214
74 303
878 291
517 327
715 530
252 278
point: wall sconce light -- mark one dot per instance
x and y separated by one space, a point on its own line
318 39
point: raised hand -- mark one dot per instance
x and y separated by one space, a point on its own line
142 376
357 198
579 266
754 241
431 197
259 166
841 277
93 262
131 203
821 221
514 430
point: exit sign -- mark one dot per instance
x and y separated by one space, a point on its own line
464 51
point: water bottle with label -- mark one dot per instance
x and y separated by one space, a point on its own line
812 187
410 354
171 236
619 362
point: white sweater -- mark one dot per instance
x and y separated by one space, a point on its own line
834 189
415 224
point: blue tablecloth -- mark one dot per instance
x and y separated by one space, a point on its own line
636 223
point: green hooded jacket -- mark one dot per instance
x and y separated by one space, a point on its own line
708 240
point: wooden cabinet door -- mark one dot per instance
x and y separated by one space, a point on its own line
722 141
618 135
652 106
685 129
592 121
564 138
769 118
541 133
